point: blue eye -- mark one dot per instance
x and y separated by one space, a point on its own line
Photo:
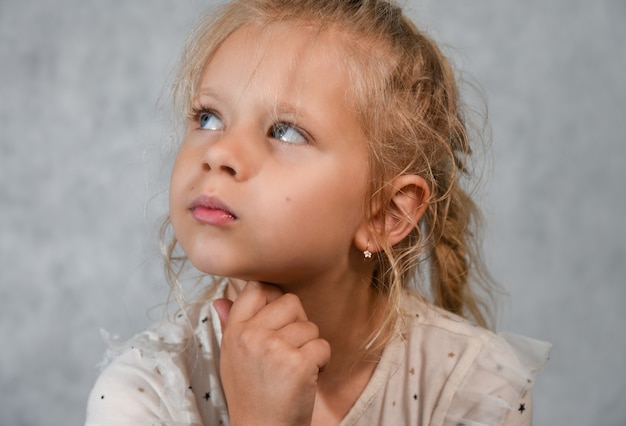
287 133
210 121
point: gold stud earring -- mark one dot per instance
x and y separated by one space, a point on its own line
367 254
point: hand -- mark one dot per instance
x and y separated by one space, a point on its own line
270 358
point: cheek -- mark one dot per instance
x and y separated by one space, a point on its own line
180 184
175 192
180 179
178 166
328 203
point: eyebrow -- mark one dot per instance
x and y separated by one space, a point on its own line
205 92
297 111
294 110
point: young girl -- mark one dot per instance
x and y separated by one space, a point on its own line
319 178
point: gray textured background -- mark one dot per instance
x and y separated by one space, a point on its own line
84 161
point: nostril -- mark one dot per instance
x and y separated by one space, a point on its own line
229 170
206 167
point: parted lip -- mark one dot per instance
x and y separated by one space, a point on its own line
211 202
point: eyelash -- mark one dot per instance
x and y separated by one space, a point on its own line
285 124
197 111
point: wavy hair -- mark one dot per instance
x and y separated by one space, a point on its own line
406 97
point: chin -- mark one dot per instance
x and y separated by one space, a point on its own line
210 268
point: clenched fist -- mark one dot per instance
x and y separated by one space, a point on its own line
271 357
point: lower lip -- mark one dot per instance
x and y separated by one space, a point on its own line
213 217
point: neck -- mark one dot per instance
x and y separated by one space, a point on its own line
346 314
345 308
347 311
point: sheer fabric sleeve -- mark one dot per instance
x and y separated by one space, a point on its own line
497 388
142 386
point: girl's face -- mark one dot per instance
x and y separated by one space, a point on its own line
271 179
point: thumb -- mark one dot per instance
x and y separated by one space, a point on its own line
222 307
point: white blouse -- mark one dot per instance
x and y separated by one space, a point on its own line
441 371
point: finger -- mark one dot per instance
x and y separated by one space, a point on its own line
284 310
222 307
297 334
236 285
318 351
252 299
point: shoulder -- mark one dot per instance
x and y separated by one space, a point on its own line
479 376
136 388
150 377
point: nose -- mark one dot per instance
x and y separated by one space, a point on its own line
232 152
228 169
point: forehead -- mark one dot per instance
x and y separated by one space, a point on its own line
280 57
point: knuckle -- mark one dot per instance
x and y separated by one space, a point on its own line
325 347
322 348
290 299
248 337
274 344
294 360
314 329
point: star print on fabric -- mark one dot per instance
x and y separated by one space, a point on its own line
522 408
451 355
415 396
207 396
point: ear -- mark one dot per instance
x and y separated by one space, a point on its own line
391 223
408 204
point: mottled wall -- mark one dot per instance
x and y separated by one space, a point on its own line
84 164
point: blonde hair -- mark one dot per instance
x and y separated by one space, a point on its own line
406 97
